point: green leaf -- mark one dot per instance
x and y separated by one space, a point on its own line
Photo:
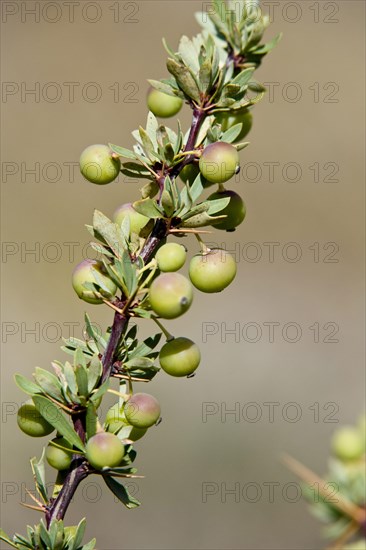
94 372
121 492
95 335
148 207
232 133
45 537
243 77
217 205
198 209
151 127
101 249
91 420
188 53
146 347
109 231
70 378
240 146
121 151
26 385
100 392
162 87
265 48
54 415
185 79
205 76
39 475
200 220
147 144
4 537
90 545
168 204
48 382
129 274
79 535
150 190
82 380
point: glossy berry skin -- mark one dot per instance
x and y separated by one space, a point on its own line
348 444
170 295
139 224
227 120
212 272
219 162
142 410
58 458
171 257
116 420
98 165
235 211
179 357
163 105
84 272
104 450
31 422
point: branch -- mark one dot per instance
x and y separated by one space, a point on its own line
58 508
199 116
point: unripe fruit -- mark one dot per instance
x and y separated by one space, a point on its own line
171 257
213 271
116 420
31 422
84 273
138 222
179 357
189 173
163 105
98 165
56 457
229 119
235 211
170 295
142 410
104 450
219 162
348 444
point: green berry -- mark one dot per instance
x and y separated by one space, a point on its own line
56 457
31 422
189 173
115 420
170 295
213 271
139 224
235 211
179 357
219 162
104 450
142 410
163 105
348 443
228 119
92 271
99 165
171 257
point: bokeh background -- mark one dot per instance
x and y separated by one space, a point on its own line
302 180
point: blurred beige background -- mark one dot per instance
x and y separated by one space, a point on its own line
90 85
